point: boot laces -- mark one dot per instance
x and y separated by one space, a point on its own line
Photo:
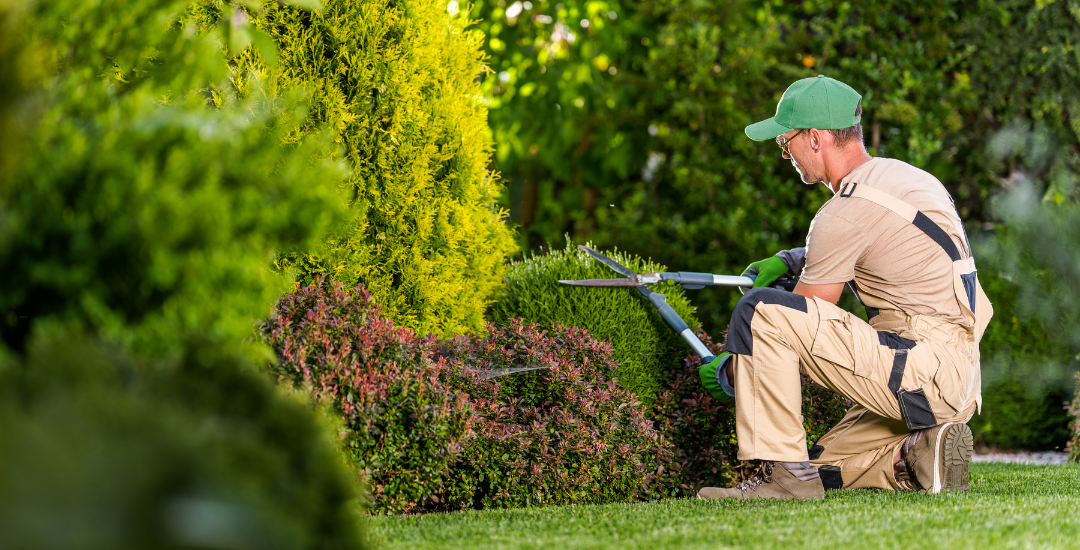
763 477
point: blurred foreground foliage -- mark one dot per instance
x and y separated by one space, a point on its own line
621 122
1032 259
141 206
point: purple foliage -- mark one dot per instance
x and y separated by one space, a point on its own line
427 431
402 428
566 433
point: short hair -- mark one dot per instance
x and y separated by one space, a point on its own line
845 135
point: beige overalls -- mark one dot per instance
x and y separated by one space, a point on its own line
903 372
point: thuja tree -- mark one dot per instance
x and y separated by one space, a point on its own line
396 83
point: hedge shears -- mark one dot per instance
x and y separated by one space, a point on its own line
688 280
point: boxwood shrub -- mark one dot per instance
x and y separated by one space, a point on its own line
645 348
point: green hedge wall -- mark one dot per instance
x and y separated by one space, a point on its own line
396 83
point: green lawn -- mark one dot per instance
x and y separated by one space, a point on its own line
1009 506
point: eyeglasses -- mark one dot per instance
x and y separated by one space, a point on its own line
786 143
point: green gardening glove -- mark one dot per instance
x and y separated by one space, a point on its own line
711 374
767 271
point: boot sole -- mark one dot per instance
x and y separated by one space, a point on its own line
954 445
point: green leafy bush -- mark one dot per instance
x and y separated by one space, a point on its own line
428 429
1031 348
396 84
646 349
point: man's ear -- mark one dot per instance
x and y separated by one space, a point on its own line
819 139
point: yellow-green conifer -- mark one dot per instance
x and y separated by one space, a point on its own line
398 83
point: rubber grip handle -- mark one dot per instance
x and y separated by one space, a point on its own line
670 317
697 279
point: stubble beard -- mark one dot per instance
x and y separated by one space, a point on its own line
806 178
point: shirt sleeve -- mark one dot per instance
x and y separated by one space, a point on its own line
833 248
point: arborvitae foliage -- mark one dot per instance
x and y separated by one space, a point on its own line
646 349
397 82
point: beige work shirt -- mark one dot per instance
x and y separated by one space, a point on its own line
854 239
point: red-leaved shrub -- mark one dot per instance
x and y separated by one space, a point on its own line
564 433
429 428
402 428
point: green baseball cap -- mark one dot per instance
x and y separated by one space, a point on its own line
817 102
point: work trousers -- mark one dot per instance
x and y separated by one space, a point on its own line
915 373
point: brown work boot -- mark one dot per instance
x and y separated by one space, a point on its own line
937 458
782 480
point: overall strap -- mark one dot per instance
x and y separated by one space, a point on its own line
906 211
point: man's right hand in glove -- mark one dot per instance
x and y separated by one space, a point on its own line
786 262
766 271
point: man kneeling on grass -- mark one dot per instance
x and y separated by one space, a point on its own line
892 233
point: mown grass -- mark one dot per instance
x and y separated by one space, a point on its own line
1009 506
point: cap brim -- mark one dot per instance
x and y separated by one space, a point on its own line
766 129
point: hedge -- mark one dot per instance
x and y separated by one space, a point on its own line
644 346
141 206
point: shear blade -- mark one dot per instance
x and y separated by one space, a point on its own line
608 261
601 282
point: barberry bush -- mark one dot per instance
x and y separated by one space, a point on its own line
522 415
562 433
402 428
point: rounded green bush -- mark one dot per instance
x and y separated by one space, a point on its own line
647 350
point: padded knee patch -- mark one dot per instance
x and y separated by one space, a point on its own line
739 339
